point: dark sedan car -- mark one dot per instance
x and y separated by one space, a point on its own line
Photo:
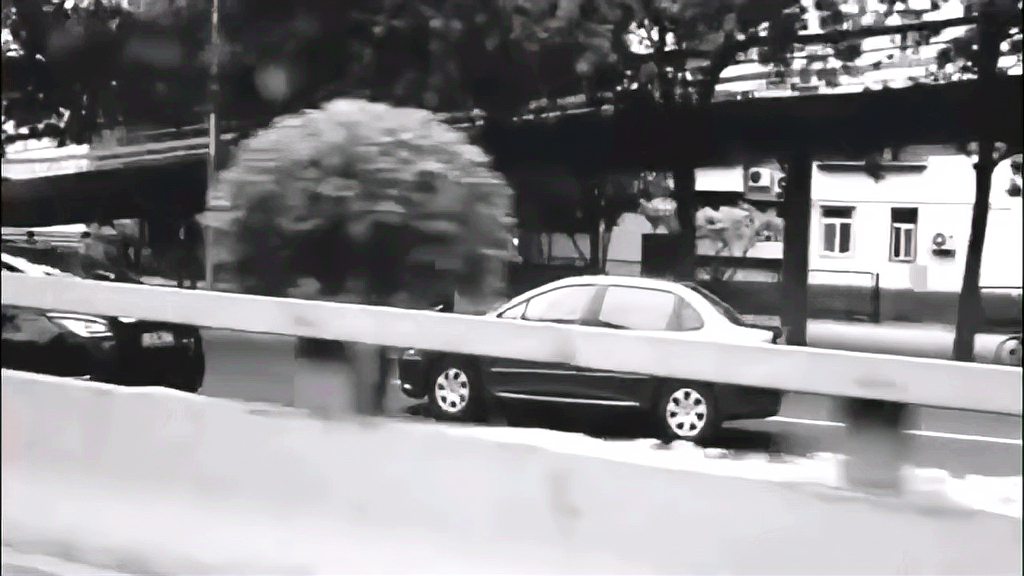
107 349
457 387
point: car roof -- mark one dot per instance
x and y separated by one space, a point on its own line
631 281
598 280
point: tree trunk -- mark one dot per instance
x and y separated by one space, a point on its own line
969 311
684 194
334 379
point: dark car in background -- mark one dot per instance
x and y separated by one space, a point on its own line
115 350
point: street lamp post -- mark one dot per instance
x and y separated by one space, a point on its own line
212 202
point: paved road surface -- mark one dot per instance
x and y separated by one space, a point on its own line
23 564
259 367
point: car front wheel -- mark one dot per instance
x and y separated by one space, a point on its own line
456 392
688 412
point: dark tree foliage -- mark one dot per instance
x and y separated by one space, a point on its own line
108 65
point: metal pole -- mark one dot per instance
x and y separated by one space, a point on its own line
214 147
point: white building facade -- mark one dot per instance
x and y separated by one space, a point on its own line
911 227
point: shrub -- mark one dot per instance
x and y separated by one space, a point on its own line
365 202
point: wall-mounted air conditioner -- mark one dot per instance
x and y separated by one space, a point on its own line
943 244
779 188
760 179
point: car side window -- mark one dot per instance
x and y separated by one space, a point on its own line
646 309
514 313
689 318
560 305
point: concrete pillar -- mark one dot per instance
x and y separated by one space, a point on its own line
796 245
876 447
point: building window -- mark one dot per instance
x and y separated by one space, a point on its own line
837 231
903 237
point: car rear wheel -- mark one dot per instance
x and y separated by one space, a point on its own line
456 392
688 412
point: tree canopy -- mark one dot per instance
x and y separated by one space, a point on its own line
97 61
361 201
80 65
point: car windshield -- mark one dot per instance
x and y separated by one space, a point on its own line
724 309
56 262
14 263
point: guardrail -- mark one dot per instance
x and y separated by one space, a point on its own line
120 157
903 380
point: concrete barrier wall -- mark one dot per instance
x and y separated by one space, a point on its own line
153 480
920 381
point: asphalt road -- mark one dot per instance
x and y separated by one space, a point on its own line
26 564
258 368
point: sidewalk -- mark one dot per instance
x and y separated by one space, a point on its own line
901 338
905 338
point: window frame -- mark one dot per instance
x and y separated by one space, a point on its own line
838 222
896 236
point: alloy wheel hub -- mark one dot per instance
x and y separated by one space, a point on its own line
452 390
686 412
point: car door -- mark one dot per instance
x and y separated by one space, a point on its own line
635 309
562 305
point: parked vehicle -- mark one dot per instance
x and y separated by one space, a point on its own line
108 349
459 387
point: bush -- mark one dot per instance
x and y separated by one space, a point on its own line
364 202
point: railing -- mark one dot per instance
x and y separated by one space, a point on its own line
916 381
119 157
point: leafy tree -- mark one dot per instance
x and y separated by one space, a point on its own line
59 66
443 55
365 202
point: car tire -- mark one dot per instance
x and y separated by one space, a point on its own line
687 412
455 391
198 373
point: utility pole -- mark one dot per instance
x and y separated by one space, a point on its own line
213 158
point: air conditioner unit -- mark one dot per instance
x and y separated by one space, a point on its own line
760 179
779 189
943 244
